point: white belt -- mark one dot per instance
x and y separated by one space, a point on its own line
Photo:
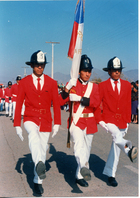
14 95
86 115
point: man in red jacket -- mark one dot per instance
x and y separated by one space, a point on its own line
8 100
14 92
1 96
115 95
85 98
38 91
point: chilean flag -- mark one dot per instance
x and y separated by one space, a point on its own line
75 48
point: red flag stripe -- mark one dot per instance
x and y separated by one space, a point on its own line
73 40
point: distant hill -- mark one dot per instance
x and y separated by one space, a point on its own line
130 75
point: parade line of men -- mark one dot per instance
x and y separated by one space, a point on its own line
8 98
107 104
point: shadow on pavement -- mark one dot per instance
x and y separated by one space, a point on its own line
66 165
96 166
2 114
26 165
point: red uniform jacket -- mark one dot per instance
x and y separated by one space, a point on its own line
38 104
14 92
8 94
1 94
115 110
89 122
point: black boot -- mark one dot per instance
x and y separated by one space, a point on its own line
112 181
132 154
82 182
38 189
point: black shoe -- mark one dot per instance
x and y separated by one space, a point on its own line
112 181
40 169
38 189
132 154
82 182
85 172
6 115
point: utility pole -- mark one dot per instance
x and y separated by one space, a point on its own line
52 54
25 71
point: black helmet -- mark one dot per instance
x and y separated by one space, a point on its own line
114 63
37 58
85 63
18 78
9 83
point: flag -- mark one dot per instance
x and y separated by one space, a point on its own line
75 47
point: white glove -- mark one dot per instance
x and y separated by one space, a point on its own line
55 129
104 125
19 132
74 97
71 83
126 128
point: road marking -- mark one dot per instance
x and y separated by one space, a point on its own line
135 170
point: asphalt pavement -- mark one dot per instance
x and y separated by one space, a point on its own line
16 166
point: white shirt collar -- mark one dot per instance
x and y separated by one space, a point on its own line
35 77
35 80
118 84
112 81
83 83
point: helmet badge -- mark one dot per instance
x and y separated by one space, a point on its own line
116 63
87 60
40 57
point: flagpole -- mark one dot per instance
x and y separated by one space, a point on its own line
52 54
75 49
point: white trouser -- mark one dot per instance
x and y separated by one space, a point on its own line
82 147
118 144
2 104
23 109
14 107
38 145
8 107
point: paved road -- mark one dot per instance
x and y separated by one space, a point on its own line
16 166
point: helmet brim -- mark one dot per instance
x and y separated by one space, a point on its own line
30 63
106 69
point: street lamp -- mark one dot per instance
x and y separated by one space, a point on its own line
52 54
25 71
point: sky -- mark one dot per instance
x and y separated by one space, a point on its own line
110 29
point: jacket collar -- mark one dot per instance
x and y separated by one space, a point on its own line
82 82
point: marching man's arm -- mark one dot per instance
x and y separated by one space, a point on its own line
69 85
